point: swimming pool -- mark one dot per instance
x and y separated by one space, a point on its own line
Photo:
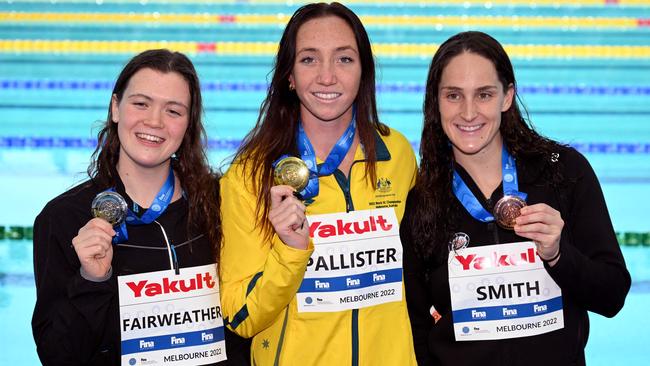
584 74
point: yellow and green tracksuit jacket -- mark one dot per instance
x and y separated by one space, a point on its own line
260 278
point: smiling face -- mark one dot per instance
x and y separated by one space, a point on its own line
471 99
327 70
151 118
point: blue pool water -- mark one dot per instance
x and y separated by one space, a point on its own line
51 99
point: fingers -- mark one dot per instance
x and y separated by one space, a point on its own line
279 193
537 228
539 218
93 240
543 225
289 215
95 231
98 223
288 218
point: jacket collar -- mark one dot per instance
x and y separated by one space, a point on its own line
381 151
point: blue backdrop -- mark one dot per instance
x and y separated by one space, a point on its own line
583 70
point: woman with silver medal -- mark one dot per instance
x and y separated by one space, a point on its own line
506 234
155 205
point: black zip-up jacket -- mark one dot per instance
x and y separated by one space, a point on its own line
76 321
591 270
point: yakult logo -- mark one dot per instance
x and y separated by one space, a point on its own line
473 261
341 227
167 286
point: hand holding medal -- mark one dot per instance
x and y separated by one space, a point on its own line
93 243
287 213
543 225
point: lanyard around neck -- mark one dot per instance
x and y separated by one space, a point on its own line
510 187
331 163
158 206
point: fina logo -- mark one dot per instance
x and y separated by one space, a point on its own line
132 361
465 330
352 282
376 277
308 300
479 314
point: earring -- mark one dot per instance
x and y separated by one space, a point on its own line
291 86
174 157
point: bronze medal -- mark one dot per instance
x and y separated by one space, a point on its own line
109 206
291 171
507 209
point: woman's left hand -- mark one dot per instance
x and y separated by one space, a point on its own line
543 225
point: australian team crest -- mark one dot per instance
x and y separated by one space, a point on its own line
383 185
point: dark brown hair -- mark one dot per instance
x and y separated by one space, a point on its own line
431 217
191 166
275 131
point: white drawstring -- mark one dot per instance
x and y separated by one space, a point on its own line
170 251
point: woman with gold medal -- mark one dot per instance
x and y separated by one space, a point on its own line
311 261
507 239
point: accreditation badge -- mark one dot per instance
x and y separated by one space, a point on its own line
502 291
356 263
171 319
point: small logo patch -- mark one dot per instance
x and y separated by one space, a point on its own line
383 185
459 241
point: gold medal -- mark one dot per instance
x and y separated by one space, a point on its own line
291 171
507 209
109 206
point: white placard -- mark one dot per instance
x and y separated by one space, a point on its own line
502 291
170 319
357 261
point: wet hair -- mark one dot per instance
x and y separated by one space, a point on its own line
275 131
191 166
432 218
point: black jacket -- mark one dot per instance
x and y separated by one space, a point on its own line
76 321
591 271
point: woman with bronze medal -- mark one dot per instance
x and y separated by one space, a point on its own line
507 239
125 262
311 261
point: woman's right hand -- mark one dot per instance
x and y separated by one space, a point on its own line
94 248
287 215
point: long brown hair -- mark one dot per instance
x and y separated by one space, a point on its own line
275 131
191 166
431 217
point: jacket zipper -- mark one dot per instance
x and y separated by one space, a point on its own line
344 184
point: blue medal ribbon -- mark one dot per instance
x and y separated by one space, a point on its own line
510 187
331 163
158 206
